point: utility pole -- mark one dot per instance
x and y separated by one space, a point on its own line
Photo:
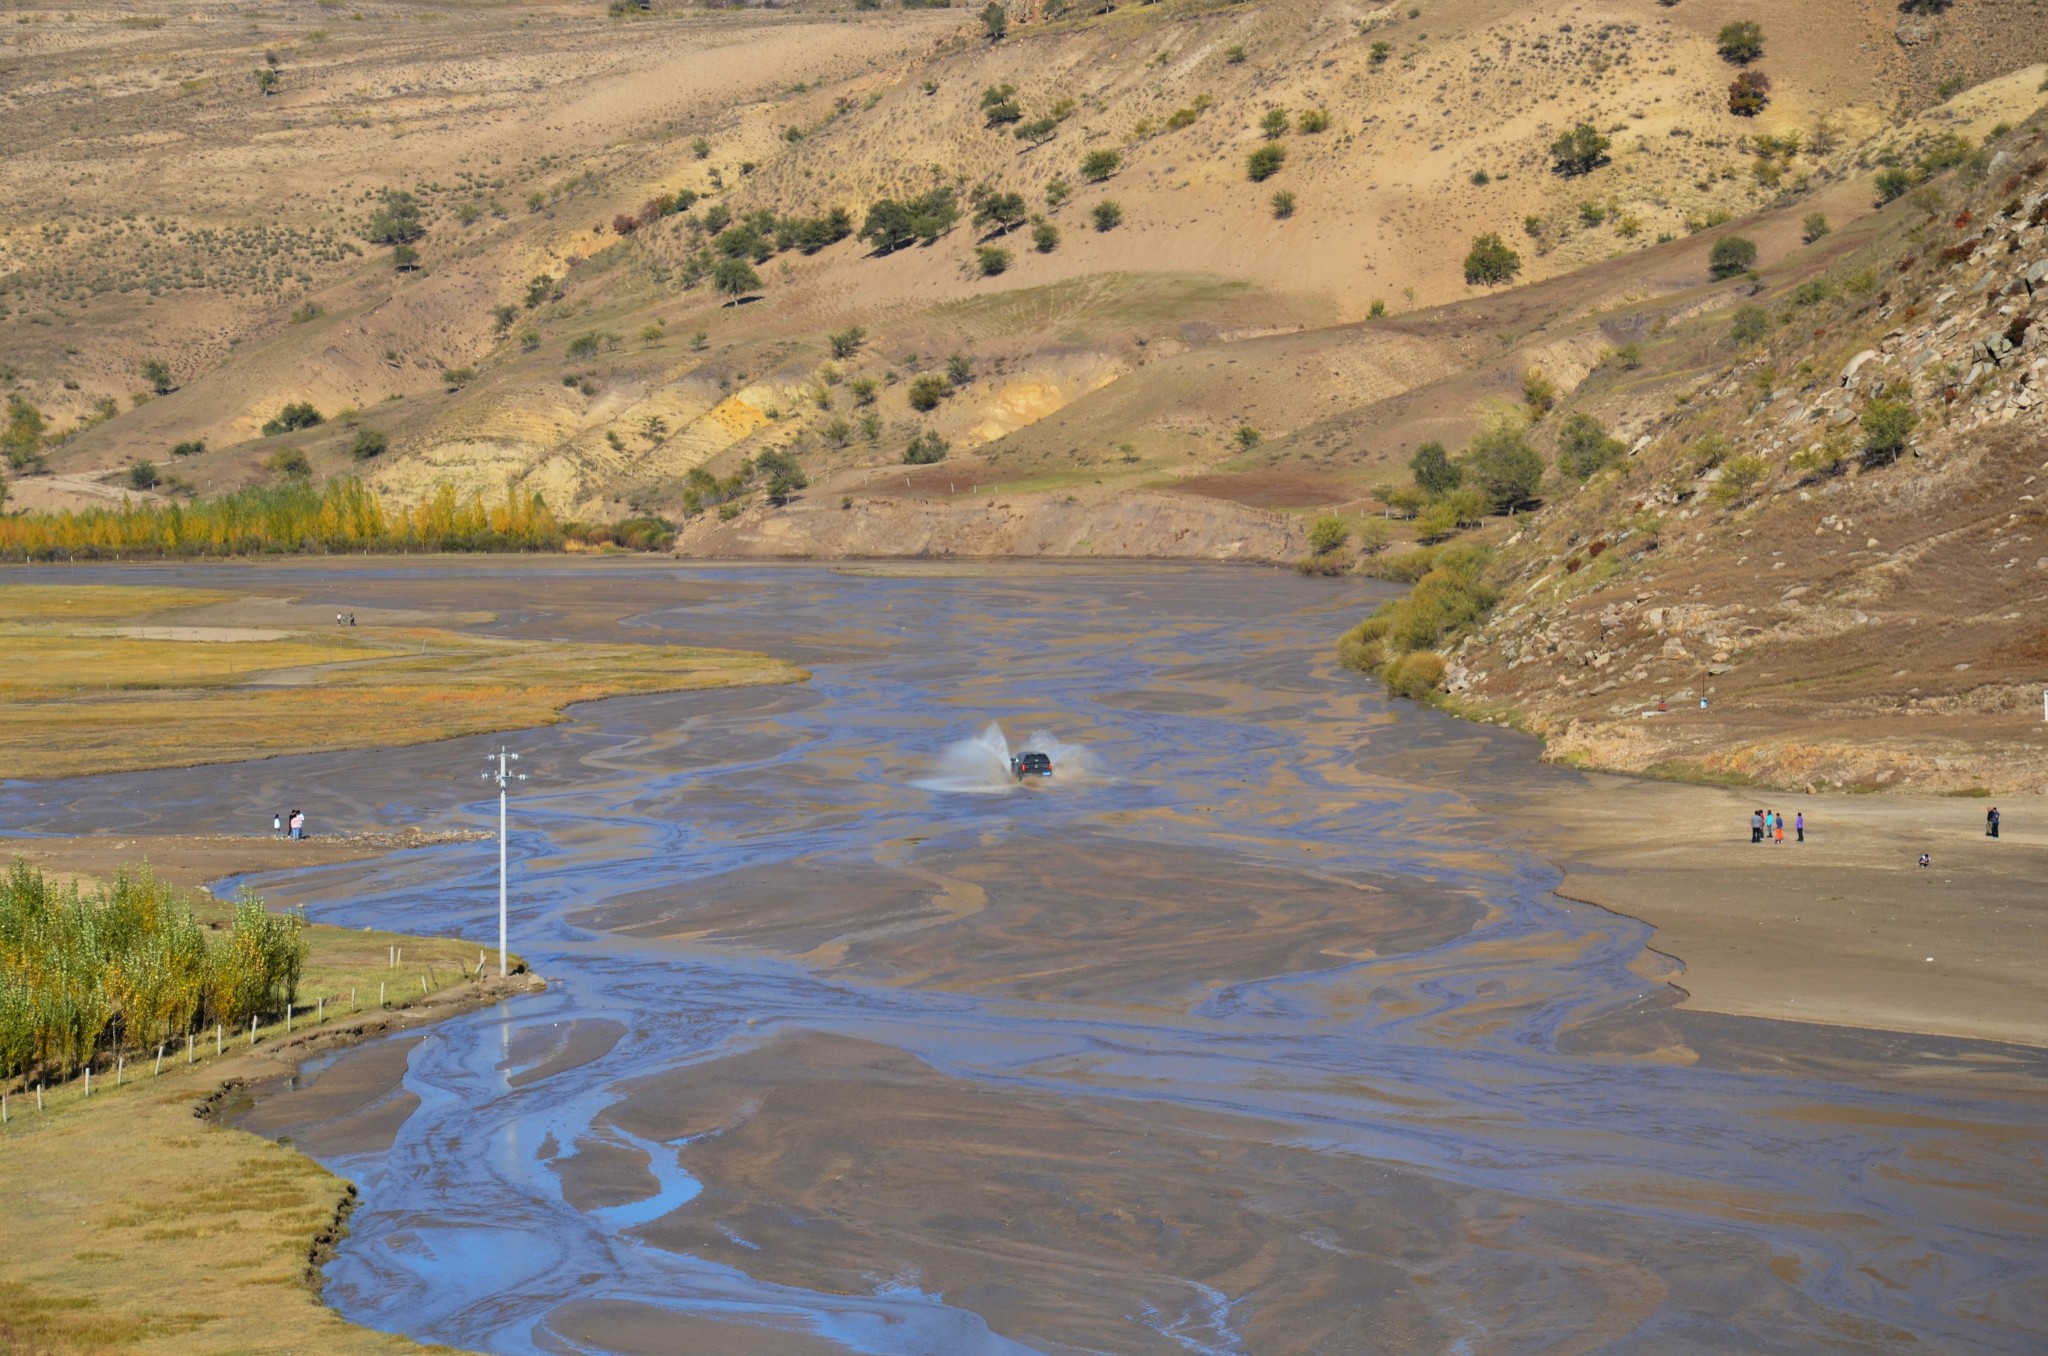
503 776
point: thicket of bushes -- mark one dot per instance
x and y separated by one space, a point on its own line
128 968
345 515
1400 639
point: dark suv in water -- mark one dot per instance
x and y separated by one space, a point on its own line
1024 765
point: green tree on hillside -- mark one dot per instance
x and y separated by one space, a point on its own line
1099 165
1108 215
735 278
1490 261
1749 94
892 224
995 21
1003 211
1504 467
396 220
1741 42
1579 151
157 373
1888 423
845 343
1435 473
1583 447
1265 162
1732 254
1275 123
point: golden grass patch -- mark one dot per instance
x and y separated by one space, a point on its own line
74 701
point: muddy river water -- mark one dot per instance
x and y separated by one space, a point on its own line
1250 1030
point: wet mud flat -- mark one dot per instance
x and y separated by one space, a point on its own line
1262 1036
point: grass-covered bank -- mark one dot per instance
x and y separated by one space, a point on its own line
1401 639
119 678
154 1229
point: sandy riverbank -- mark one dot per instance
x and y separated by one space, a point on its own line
1845 928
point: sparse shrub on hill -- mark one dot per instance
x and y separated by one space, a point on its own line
292 417
1099 165
1265 162
290 463
1038 131
1749 324
1381 50
1283 204
1749 94
1057 191
540 291
1584 446
1274 124
1503 467
1579 151
1327 534
405 258
891 224
143 475
1539 392
1814 227
1313 120
960 369
995 21
1248 437
1434 471
845 343
1107 215
1490 261
157 373
927 391
190 448
991 260
1045 237
863 390
267 81
1002 114
368 444
1739 475
924 449
455 378
1732 254
1741 41
23 435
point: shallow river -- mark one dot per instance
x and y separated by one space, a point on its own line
1248 1031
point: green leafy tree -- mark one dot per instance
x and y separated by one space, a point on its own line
1038 131
292 417
1057 191
1002 211
396 220
1327 534
143 475
1888 424
1099 165
1891 183
1503 466
1579 151
1108 215
1265 162
925 449
1045 237
1490 261
1275 123
1732 254
1584 446
995 21
959 369
735 278
783 474
991 260
1435 473
369 444
157 373
845 343
892 224
405 258
1741 41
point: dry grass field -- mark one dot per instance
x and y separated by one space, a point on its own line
111 678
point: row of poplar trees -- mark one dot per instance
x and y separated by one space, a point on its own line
127 967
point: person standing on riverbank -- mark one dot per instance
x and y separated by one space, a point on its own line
277 826
1991 823
1799 824
1756 826
1778 828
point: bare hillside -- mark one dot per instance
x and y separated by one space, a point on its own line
560 332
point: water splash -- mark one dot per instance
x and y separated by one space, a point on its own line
979 765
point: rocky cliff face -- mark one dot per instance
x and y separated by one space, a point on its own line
1792 581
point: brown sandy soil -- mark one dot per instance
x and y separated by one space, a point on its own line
190 862
1155 924
1843 929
